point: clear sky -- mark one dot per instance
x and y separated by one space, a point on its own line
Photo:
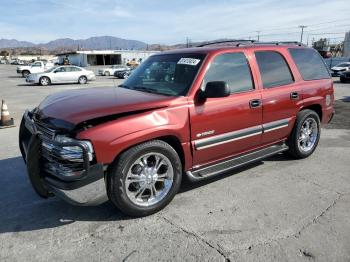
171 21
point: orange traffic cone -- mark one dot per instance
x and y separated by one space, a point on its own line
6 121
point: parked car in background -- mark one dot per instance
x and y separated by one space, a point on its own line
124 74
336 70
35 67
109 71
62 74
202 112
2 61
133 63
345 76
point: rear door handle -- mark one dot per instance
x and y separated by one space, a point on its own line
255 103
294 95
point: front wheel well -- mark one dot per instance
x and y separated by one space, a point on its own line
316 107
173 141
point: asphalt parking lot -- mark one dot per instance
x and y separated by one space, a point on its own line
276 210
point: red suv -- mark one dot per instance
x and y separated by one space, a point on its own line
196 112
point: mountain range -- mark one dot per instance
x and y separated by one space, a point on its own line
99 42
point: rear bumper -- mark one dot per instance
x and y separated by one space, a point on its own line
88 189
331 116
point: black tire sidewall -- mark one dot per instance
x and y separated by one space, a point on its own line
85 80
116 178
44 77
293 142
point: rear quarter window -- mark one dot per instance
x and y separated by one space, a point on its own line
309 63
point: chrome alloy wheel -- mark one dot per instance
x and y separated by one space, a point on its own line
308 135
44 81
149 179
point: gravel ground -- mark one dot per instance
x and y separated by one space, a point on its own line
276 210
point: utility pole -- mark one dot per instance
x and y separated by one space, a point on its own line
302 32
187 42
258 35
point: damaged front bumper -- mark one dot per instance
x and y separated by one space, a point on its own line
71 175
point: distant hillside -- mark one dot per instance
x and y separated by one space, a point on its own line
13 43
100 42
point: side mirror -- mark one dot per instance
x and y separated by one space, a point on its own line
214 89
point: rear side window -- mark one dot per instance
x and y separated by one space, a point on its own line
233 69
273 69
309 63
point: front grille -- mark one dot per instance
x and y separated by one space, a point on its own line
53 161
43 129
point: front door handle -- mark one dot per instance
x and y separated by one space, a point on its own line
294 95
255 103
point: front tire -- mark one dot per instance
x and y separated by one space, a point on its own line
82 80
305 135
44 81
145 178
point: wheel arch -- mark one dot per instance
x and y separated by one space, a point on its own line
172 140
316 108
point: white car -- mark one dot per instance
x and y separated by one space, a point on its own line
342 67
35 67
62 74
110 70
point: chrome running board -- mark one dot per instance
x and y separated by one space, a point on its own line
238 161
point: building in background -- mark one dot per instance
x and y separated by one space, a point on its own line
105 57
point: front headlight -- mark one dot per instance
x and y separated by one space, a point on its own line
74 153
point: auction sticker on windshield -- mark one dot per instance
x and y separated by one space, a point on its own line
188 61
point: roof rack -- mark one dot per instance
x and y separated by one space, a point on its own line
250 42
233 41
280 43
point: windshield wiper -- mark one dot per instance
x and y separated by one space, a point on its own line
146 89
125 86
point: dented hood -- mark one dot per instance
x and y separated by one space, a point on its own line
77 106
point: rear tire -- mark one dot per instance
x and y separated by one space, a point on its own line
45 81
152 188
107 73
305 135
125 76
82 80
25 73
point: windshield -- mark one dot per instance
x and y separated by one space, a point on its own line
50 69
343 65
170 75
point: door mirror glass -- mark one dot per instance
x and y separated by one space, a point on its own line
214 89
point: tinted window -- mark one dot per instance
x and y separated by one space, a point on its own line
233 69
309 63
273 69
343 65
60 69
74 69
